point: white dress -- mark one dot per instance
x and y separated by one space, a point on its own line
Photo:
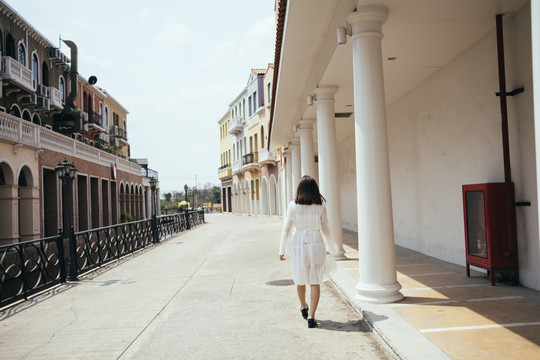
302 239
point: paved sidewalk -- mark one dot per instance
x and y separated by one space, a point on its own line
445 314
218 291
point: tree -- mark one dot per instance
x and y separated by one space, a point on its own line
167 196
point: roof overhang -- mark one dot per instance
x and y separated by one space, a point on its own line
422 37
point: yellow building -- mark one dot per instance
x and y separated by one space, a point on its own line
254 170
225 170
115 118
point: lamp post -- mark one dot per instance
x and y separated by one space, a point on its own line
155 237
66 172
186 213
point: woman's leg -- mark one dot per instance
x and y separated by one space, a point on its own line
301 290
315 295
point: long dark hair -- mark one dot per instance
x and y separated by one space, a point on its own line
307 192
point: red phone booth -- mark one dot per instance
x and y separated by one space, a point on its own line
489 229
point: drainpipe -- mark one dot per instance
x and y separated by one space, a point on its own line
70 101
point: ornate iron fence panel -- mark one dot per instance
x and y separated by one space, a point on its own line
29 267
97 247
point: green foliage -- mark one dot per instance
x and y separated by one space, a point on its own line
126 217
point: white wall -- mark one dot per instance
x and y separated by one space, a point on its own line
446 133
347 183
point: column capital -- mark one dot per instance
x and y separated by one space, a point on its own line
295 141
325 92
306 124
367 21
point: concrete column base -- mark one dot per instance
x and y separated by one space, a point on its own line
378 294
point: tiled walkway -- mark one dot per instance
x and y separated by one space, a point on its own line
465 317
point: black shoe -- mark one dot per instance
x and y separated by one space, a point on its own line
311 323
305 312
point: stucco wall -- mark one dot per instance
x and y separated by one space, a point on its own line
347 183
446 133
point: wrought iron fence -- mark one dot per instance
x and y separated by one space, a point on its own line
29 267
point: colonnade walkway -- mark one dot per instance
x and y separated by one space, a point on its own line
219 292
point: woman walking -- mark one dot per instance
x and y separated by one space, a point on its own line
302 238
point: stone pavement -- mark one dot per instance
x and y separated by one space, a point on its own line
218 291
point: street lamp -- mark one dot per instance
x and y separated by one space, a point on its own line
186 213
66 172
153 184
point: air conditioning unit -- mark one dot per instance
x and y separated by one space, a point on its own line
54 53
41 90
29 99
113 131
103 137
115 142
43 103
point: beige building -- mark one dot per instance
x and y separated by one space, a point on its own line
254 170
47 116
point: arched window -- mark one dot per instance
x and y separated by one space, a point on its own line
35 72
90 109
10 46
262 137
36 119
85 102
101 113
269 89
45 74
106 116
21 54
15 111
26 115
62 88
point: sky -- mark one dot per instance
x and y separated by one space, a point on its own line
175 65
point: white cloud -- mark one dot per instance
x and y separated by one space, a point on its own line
261 30
176 34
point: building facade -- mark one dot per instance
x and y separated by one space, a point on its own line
37 90
249 186
405 112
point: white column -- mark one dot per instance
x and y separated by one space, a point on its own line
328 163
377 281
306 147
535 45
288 178
295 165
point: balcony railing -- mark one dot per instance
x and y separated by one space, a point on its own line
250 158
224 167
237 166
11 70
236 125
95 121
266 157
122 133
18 131
149 173
29 267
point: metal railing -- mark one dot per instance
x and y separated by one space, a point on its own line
29 267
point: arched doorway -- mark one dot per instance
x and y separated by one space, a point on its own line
28 205
8 201
264 191
273 195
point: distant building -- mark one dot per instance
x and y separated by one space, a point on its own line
34 137
249 171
